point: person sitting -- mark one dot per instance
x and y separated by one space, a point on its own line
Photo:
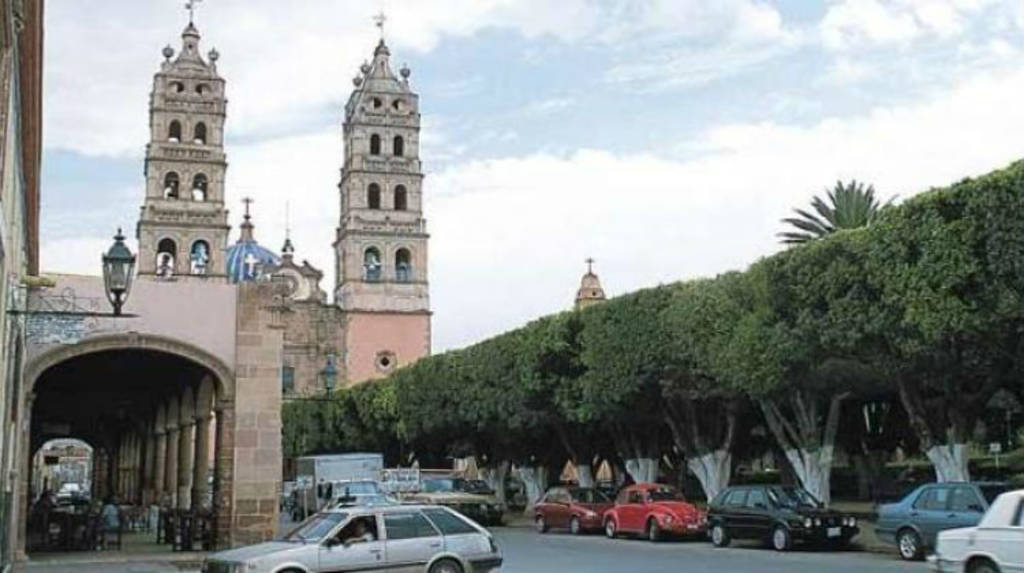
359 531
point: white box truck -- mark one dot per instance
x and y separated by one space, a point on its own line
319 479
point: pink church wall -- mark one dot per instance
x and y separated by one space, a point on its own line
405 335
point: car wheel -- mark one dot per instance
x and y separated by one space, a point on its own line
719 536
445 566
653 530
541 524
610 529
909 544
982 566
574 526
781 540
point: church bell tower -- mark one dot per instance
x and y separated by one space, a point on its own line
381 245
183 227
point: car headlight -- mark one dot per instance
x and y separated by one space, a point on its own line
808 522
589 514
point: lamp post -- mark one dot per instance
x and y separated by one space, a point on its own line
118 270
329 374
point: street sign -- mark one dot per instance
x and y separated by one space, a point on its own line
995 448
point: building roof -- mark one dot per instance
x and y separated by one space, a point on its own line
247 259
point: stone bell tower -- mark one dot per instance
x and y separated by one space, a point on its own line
183 227
381 245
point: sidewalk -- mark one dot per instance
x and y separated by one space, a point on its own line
139 553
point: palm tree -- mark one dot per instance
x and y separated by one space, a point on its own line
848 206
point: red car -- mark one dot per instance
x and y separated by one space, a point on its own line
577 508
655 511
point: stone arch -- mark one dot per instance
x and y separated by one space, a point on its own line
223 380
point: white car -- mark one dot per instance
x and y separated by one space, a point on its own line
407 538
995 545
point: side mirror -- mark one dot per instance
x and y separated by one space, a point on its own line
332 542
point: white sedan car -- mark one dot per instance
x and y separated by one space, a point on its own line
995 545
389 538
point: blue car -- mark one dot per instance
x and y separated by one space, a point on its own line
913 523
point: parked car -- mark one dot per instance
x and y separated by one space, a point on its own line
913 523
778 514
654 510
452 492
435 539
577 508
995 545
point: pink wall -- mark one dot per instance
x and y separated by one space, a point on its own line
406 335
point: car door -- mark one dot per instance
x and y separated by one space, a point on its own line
559 507
333 555
757 514
410 541
1008 542
930 512
965 507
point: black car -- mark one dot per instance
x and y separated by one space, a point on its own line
780 515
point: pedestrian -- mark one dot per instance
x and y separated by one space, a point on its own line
110 520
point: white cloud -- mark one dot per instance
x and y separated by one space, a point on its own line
852 24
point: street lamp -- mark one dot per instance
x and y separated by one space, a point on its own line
330 374
118 269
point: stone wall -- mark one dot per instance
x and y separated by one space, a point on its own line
404 337
257 412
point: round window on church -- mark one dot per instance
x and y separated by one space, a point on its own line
386 360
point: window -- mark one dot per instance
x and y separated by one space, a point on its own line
199 257
397 104
399 146
166 253
401 198
1018 516
200 135
736 498
933 498
199 187
756 499
375 144
408 526
371 264
403 265
171 183
964 499
385 360
174 131
287 379
587 495
447 522
178 87
634 497
373 196
377 103
202 89
316 527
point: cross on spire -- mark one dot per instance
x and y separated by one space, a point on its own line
379 21
191 6
247 201
590 265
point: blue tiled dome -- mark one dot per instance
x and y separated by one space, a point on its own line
247 260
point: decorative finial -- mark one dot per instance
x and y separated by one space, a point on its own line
214 55
405 71
357 81
247 201
191 6
168 52
379 21
590 265
287 220
365 68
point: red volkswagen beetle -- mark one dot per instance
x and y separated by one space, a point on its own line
654 510
577 508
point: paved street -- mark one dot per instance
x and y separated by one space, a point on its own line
527 552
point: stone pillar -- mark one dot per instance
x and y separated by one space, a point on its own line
185 453
171 465
202 461
148 469
223 473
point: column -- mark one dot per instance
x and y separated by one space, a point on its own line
171 464
202 461
159 461
185 458
148 461
223 470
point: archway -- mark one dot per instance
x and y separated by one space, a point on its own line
153 409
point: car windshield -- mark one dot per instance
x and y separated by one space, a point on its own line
992 491
665 494
792 497
439 484
316 527
588 495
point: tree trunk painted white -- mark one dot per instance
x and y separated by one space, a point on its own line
495 478
534 478
585 475
713 469
642 470
814 470
950 461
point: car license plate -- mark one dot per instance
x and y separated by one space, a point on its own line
834 532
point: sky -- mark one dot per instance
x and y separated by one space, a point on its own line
663 138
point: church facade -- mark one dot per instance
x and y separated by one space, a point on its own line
379 318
